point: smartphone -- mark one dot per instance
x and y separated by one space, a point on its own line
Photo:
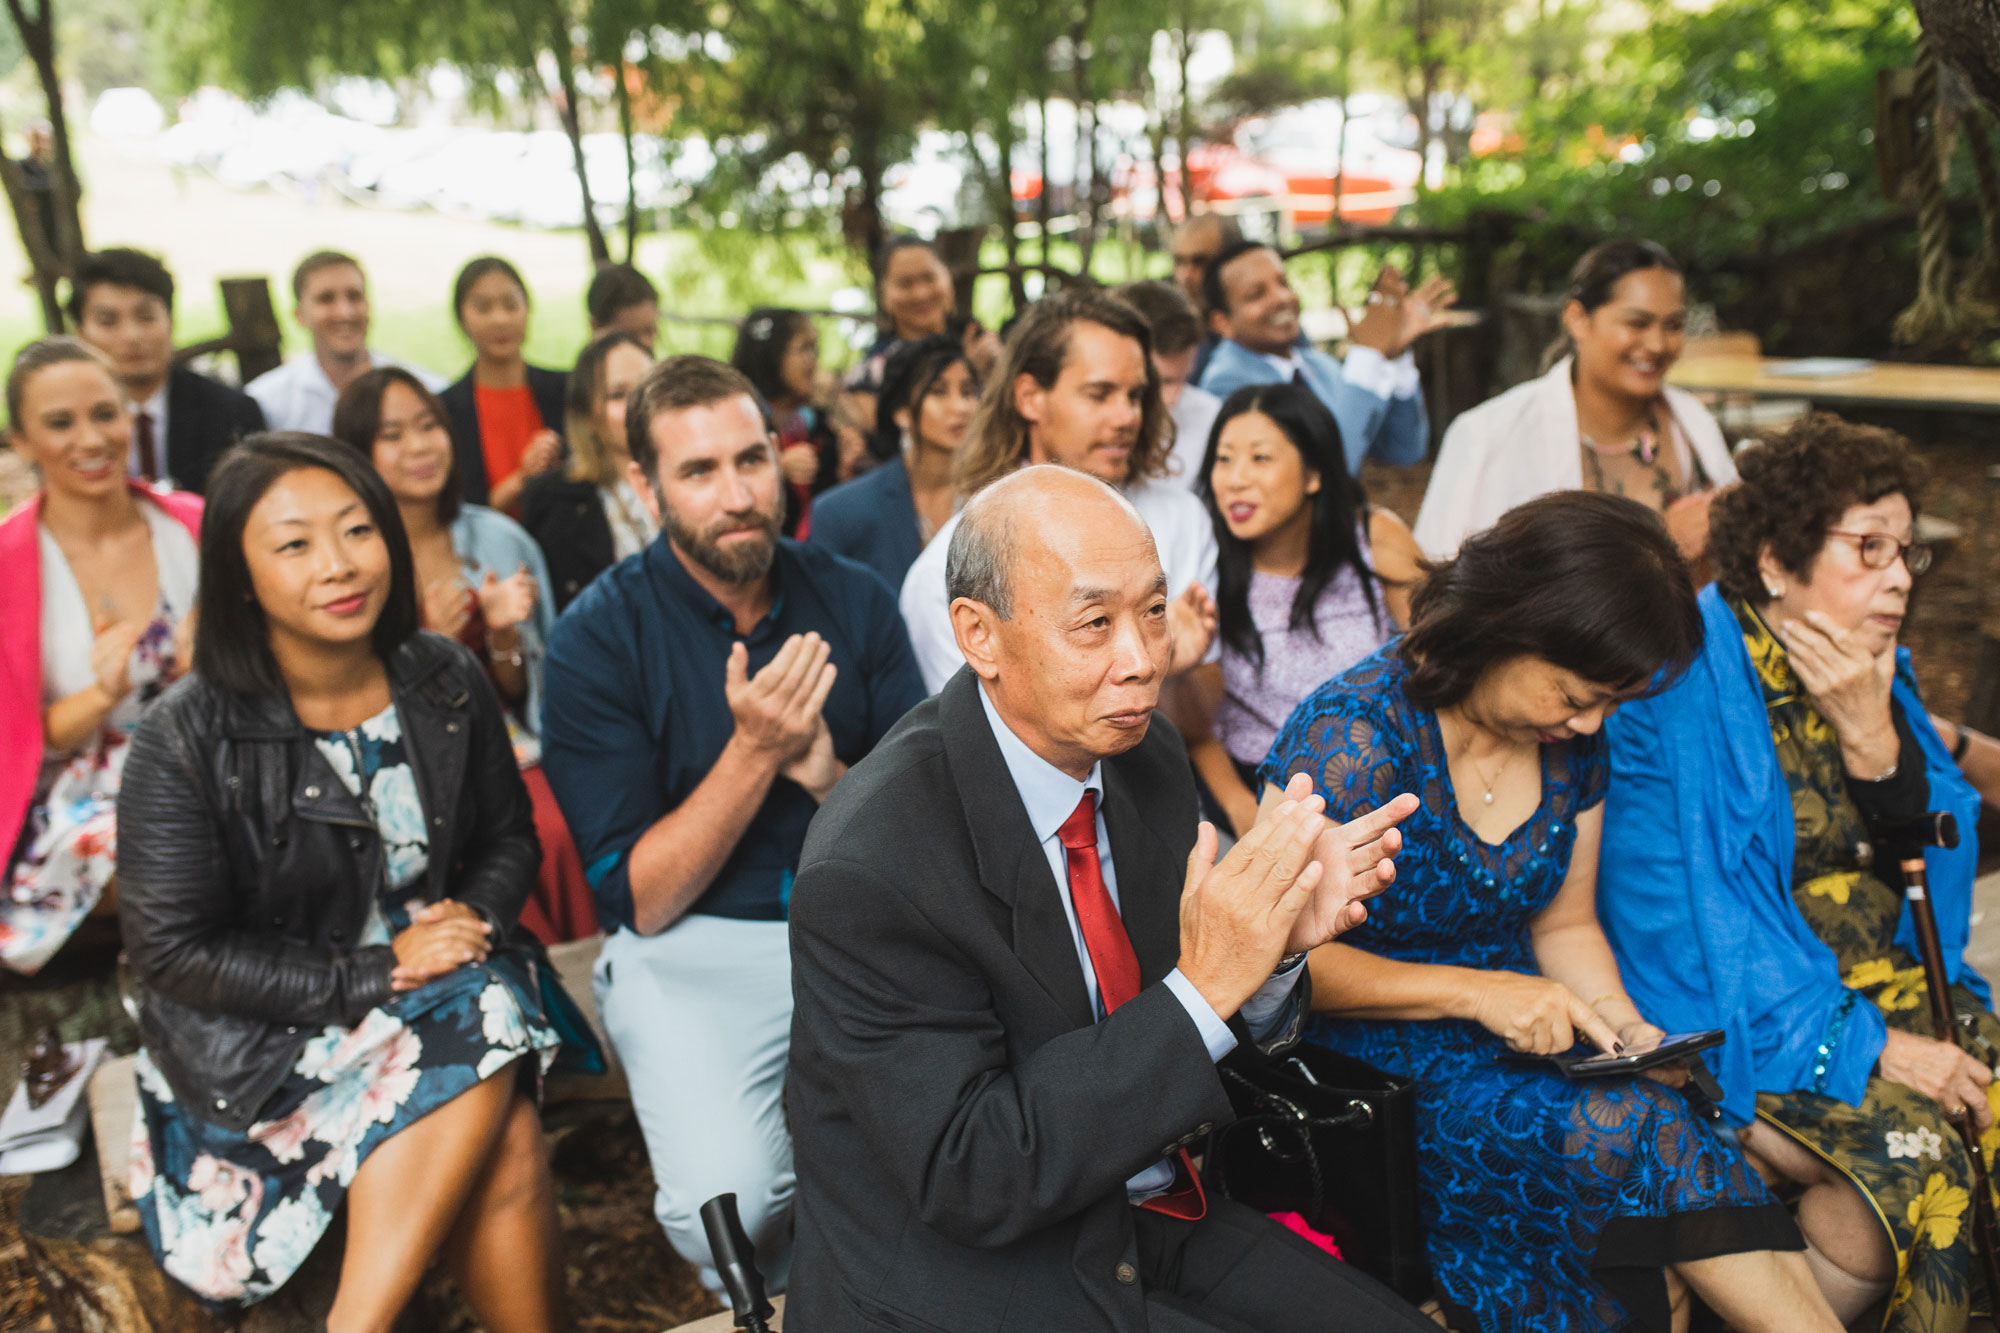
1675 1046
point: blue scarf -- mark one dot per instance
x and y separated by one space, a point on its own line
1695 881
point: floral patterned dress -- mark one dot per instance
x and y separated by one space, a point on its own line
1547 1204
231 1215
1895 1146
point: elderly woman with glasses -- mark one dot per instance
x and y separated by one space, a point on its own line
1742 889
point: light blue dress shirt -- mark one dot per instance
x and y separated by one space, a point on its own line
1051 796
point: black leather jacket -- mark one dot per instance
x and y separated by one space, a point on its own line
246 869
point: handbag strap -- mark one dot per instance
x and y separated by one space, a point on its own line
1282 1115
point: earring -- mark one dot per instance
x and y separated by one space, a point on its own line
909 441
1774 590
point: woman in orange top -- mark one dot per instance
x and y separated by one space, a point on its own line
506 415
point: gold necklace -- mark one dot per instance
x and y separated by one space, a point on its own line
1480 773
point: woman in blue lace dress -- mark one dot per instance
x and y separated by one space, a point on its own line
1548 1204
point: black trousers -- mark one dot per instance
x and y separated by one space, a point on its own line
1237 1271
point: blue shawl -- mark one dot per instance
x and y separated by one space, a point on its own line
1695 881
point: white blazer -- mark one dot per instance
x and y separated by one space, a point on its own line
1526 443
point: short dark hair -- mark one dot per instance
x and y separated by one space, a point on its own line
1214 298
761 343
318 261
119 267
907 378
1176 324
1795 486
1589 582
232 643
357 420
895 245
617 287
474 270
1597 274
672 385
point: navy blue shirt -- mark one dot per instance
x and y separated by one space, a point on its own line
872 519
634 713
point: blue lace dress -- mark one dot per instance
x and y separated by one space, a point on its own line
1547 1204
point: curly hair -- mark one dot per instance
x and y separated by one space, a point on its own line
1795 486
1587 581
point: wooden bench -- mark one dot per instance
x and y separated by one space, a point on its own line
114 1090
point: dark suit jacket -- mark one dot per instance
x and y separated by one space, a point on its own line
566 519
550 388
962 1129
871 519
203 419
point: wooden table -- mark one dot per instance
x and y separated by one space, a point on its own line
1891 384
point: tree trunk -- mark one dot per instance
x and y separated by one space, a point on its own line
864 221
59 253
1044 207
572 122
44 265
631 166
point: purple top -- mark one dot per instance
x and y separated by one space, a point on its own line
1256 703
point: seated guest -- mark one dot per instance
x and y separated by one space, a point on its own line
122 302
885 516
506 415
339 1017
703 700
1603 418
1176 328
479 580
1374 393
1077 387
1310 579
330 302
778 352
1547 1203
97 604
914 299
1196 243
1744 845
588 516
1017 962
621 299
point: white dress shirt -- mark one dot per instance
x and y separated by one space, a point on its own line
298 395
1181 531
1364 368
155 408
1050 797
1194 419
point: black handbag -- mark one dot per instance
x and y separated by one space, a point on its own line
1333 1139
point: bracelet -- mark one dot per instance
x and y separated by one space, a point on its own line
1608 995
1962 744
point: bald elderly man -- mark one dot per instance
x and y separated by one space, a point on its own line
1015 964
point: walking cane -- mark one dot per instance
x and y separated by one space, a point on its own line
736 1261
1906 839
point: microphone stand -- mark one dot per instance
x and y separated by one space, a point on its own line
1906 840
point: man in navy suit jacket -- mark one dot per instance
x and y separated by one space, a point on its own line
1374 395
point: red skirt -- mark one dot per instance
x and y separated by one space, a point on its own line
561 907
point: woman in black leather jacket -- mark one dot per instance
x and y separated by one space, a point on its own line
327 845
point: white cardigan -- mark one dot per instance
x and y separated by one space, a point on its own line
1526 443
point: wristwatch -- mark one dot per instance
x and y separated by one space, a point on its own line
1288 962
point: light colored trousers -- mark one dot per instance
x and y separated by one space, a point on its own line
701 1017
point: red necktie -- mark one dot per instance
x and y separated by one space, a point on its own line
1117 968
149 449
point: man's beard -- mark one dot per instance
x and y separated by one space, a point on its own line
744 560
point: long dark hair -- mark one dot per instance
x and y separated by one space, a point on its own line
357 419
474 270
761 343
1587 581
1596 276
1337 511
232 640
907 379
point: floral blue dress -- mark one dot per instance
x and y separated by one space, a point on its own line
231 1215
1547 1204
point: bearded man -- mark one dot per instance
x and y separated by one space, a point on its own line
702 698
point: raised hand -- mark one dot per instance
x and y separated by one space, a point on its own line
447 606
800 463
1537 1015
1357 859
507 602
543 452
111 656
1191 622
1237 914
777 711
441 936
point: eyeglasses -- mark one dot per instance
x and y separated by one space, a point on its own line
1879 550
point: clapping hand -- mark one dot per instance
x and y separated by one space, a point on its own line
447 606
507 602
1191 621
543 452
777 711
800 463
441 936
1357 861
111 656
1395 317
